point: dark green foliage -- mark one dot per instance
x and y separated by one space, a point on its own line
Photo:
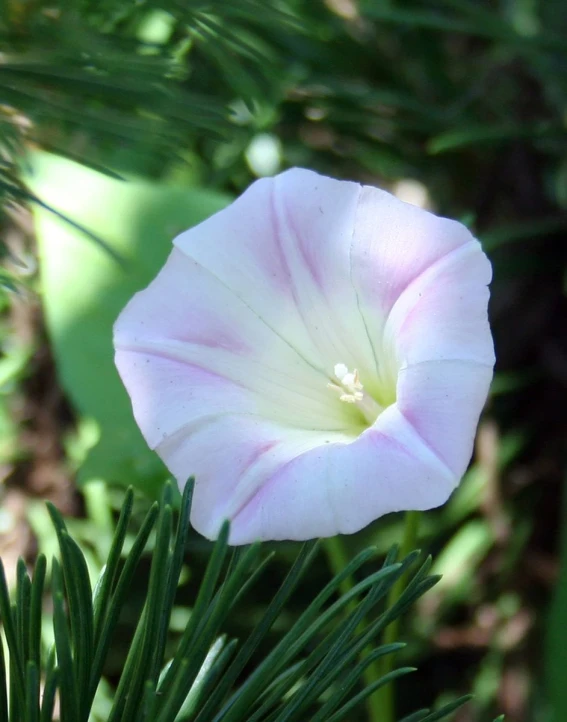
314 670
342 91
116 74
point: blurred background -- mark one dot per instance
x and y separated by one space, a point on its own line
122 122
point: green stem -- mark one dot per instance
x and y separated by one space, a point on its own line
338 559
381 707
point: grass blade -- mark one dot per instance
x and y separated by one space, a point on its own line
361 696
8 620
108 622
103 590
49 689
68 688
32 692
204 597
3 684
141 665
242 701
38 584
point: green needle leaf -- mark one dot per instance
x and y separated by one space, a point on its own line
108 622
104 587
50 689
68 689
361 696
32 692
38 583
3 682
8 621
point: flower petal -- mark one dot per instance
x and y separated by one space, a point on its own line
394 244
188 317
441 350
442 400
442 314
277 483
340 488
316 218
232 457
240 248
293 234
170 395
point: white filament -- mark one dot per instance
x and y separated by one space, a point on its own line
351 391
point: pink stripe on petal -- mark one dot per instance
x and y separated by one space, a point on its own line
395 242
315 218
217 454
240 247
443 313
443 400
340 488
232 456
168 394
184 304
293 235
249 352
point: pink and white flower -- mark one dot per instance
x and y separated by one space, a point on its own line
316 355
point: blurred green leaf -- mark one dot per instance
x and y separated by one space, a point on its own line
514 232
485 133
459 558
84 289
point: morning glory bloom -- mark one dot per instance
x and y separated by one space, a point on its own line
316 355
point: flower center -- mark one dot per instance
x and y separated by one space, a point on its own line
351 391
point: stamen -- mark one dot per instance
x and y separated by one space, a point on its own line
351 391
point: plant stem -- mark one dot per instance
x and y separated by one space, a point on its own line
338 559
381 706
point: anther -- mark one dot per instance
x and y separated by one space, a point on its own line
351 391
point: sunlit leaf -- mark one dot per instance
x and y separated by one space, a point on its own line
84 289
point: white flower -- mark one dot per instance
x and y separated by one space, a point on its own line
317 355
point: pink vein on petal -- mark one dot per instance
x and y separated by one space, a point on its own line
435 267
274 214
410 419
